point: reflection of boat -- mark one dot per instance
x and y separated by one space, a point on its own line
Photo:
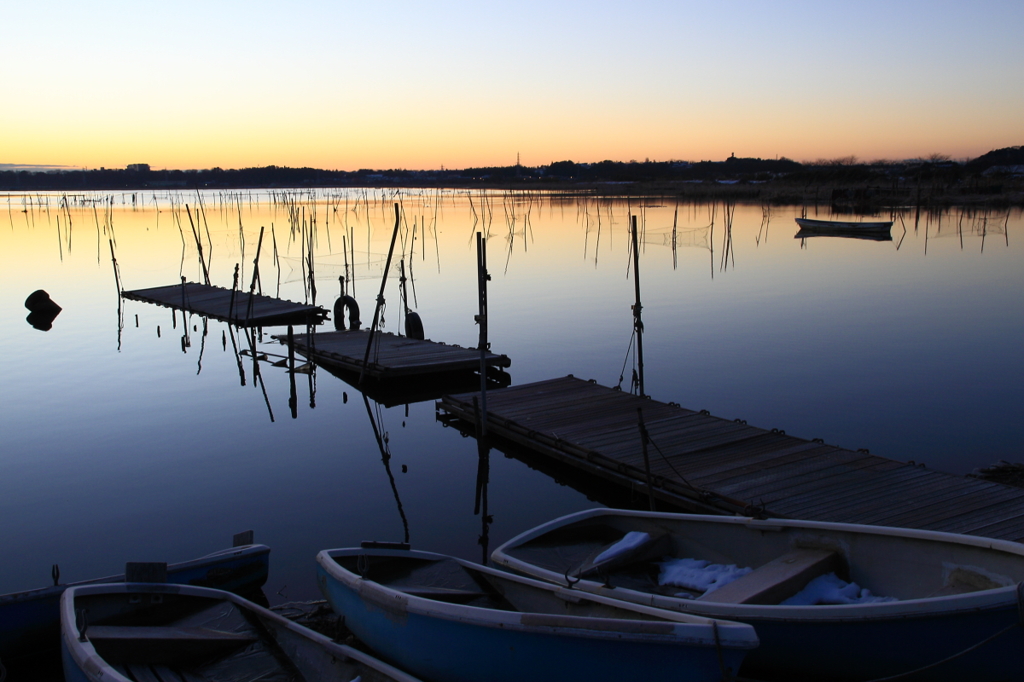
444 618
943 593
876 231
30 621
146 631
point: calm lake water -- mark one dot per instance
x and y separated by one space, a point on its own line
129 435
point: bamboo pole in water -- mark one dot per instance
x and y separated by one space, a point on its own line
380 295
638 323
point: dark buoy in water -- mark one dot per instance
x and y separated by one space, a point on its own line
340 305
42 310
414 326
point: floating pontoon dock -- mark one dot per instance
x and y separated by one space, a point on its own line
391 356
236 307
703 463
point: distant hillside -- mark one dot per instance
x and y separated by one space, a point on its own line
995 178
1007 156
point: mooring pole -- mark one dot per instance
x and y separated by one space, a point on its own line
638 323
644 438
380 296
255 277
401 282
481 319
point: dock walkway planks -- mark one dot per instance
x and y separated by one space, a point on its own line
392 356
216 302
708 464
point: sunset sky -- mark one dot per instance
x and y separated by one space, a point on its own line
349 85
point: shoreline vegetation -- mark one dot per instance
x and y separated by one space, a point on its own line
995 179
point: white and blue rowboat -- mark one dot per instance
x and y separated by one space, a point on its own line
146 632
447 619
30 621
828 600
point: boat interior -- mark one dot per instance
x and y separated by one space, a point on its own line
784 560
449 581
443 580
168 637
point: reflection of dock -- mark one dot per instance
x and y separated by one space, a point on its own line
237 307
391 356
703 463
418 389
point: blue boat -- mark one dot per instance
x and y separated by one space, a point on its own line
829 601
30 621
148 632
447 619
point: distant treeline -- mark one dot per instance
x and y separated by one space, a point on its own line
996 172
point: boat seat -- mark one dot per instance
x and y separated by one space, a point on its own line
162 644
156 673
777 580
446 594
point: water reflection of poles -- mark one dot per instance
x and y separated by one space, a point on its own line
257 377
483 475
385 453
675 223
293 401
730 211
481 319
480 406
311 367
120 304
711 241
202 344
238 357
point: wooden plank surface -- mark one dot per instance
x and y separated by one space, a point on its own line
392 356
216 302
703 463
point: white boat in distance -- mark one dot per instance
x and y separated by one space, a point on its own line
821 225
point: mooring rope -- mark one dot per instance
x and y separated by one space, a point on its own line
974 647
622 372
726 673
669 463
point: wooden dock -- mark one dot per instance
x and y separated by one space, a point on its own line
236 307
391 357
703 463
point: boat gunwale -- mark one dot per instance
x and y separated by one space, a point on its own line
85 652
989 599
731 634
214 557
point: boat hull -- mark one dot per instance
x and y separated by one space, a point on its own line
30 621
845 641
843 225
466 644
